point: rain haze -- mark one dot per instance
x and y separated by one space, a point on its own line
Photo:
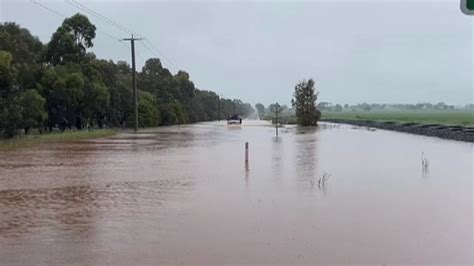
357 51
369 163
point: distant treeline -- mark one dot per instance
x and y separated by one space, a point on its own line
61 85
326 106
266 112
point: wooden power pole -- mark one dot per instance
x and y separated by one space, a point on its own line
277 107
134 82
218 107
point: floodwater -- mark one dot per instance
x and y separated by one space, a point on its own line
184 195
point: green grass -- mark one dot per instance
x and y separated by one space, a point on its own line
442 117
33 139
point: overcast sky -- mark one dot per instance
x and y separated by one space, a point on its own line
357 51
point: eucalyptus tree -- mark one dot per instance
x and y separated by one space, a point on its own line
304 102
70 41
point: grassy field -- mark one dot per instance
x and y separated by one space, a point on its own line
32 139
443 117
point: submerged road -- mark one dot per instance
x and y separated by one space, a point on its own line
184 195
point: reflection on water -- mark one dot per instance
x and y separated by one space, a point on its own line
307 161
278 153
185 195
76 208
425 172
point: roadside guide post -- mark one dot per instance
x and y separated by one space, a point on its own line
246 152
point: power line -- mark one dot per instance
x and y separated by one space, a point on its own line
48 8
92 12
147 47
154 50
147 44
111 36
161 54
115 38
140 56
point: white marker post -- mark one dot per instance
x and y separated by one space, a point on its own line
246 152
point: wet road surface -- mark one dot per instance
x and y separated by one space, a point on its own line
183 195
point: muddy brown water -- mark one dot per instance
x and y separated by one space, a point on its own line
183 195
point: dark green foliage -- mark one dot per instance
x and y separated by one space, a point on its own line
148 113
69 42
32 113
23 47
62 85
6 74
173 113
304 102
11 118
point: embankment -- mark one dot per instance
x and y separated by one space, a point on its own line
458 133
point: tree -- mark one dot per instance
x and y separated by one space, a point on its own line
63 85
32 111
260 109
173 113
11 119
24 48
183 90
63 90
304 102
272 108
156 80
25 51
338 108
366 107
9 113
208 101
82 29
95 104
440 106
148 114
69 42
324 106
6 74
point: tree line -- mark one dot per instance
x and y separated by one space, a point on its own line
329 107
60 85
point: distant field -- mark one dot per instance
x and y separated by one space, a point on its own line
444 117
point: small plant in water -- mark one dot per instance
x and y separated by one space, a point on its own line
322 181
424 161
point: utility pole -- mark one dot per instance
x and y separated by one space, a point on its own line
277 107
134 82
218 107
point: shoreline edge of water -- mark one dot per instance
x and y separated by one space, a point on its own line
458 133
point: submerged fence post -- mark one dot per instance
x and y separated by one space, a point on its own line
246 152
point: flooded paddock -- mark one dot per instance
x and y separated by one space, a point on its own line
184 195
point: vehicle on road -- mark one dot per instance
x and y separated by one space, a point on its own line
235 119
